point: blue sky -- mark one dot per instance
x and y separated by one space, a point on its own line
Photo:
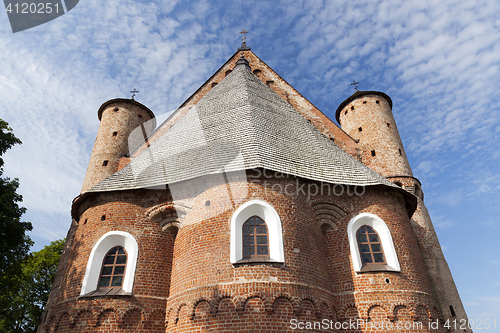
439 61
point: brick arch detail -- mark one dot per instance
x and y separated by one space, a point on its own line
425 307
314 304
215 303
365 311
284 296
346 308
167 316
98 315
120 315
179 309
436 313
148 315
61 316
78 314
197 303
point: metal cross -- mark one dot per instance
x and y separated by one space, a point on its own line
244 32
355 84
135 91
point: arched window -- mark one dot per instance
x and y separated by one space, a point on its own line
255 238
100 259
371 244
113 268
258 222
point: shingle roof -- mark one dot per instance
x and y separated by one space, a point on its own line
241 124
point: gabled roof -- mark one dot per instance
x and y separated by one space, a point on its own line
241 124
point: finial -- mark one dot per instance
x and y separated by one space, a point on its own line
355 84
244 32
244 46
135 91
242 62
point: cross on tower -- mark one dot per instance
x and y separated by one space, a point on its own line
244 32
355 84
135 91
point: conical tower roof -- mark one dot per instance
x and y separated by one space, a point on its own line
241 124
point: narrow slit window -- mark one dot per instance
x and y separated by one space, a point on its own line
452 311
105 163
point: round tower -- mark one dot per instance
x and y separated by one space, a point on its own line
119 118
367 117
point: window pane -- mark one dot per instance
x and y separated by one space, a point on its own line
261 229
113 251
121 250
248 230
107 270
104 281
379 257
262 250
259 221
109 260
362 238
121 259
248 240
376 248
366 258
373 238
119 270
364 248
248 250
262 240
117 281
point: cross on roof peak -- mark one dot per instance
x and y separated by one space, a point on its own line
244 32
244 46
134 92
355 84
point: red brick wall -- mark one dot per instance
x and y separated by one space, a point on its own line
185 280
142 312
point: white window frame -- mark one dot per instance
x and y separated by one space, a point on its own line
99 251
381 228
266 212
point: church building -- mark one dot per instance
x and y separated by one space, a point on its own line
248 210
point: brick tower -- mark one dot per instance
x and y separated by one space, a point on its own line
119 118
248 210
367 117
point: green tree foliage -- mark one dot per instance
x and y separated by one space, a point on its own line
14 244
39 271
